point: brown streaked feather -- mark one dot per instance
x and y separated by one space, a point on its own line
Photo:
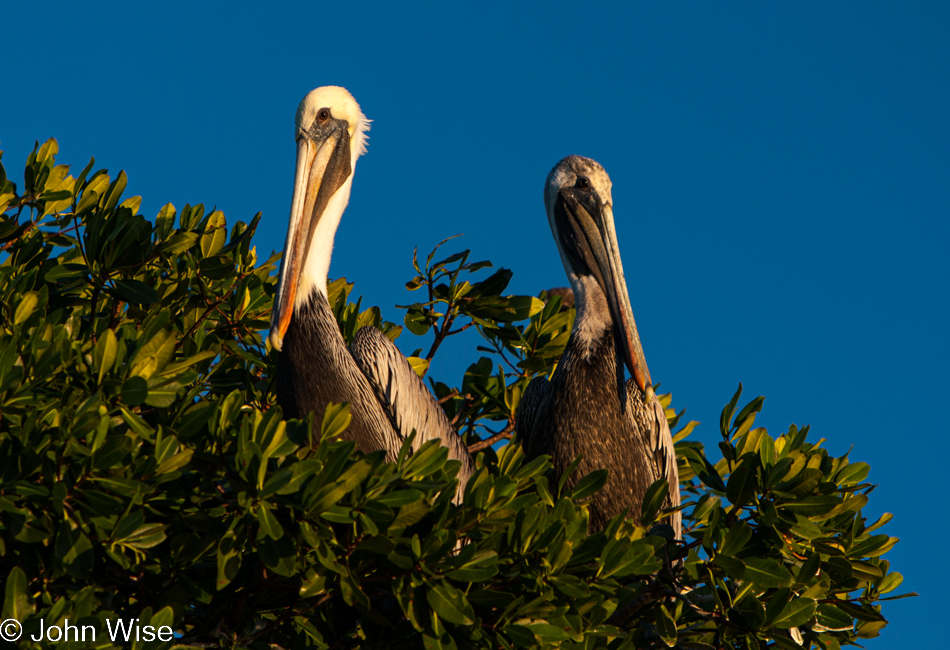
585 409
659 453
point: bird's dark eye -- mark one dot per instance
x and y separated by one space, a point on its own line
323 115
582 183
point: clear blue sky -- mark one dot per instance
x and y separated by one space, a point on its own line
780 181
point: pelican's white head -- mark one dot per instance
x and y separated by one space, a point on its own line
342 106
330 130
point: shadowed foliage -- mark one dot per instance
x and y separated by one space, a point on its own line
146 473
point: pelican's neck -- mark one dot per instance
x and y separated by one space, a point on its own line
593 314
313 277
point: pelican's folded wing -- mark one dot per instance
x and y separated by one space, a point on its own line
406 399
661 453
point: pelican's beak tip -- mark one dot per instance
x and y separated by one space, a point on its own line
276 340
649 393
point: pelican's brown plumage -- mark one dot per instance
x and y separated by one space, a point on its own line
586 408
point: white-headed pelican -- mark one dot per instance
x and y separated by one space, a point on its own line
314 367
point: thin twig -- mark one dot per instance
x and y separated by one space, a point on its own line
198 322
440 336
504 434
466 403
461 329
116 306
454 393
500 351
29 227
214 305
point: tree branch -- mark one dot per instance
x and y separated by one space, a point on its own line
504 434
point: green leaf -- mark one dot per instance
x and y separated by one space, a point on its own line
175 463
134 391
797 612
162 391
450 604
268 522
416 321
653 500
178 366
215 234
767 573
859 611
153 356
666 626
313 584
165 221
813 506
541 633
229 557
115 192
874 546
493 285
179 242
146 536
525 306
419 366
480 568
704 470
74 549
736 538
751 408
833 619
742 481
280 556
219 267
27 306
410 514
16 601
589 485
882 520
105 353
725 420
397 498
135 291
852 474
767 450
891 582
336 418
331 494
785 644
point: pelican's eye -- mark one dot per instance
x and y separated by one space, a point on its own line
582 183
323 115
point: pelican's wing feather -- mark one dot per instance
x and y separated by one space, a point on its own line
526 417
661 455
405 398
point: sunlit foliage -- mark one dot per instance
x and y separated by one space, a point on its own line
146 472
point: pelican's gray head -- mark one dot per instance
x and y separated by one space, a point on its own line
569 172
580 212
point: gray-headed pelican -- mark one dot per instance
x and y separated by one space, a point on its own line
587 407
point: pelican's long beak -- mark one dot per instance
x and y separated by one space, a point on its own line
589 238
323 165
